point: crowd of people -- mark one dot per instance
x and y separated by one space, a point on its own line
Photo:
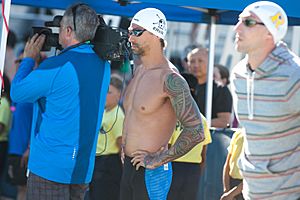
70 128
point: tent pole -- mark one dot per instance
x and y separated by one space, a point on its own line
210 70
4 33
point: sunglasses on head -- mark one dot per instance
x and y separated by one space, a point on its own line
74 9
251 22
136 32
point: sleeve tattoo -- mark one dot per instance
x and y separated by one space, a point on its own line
187 113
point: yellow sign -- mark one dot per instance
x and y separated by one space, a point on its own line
278 20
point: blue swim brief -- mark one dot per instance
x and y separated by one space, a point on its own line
158 181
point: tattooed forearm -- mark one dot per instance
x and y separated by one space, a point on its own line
187 113
188 138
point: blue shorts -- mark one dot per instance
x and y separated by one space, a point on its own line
144 183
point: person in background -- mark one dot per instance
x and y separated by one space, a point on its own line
5 121
266 90
221 100
10 56
232 179
187 169
68 92
187 49
19 137
221 75
19 147
106 179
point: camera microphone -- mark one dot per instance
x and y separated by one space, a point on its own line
55 22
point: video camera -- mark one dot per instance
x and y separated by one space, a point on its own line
109 43
51 38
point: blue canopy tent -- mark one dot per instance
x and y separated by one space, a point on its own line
200 11
227 10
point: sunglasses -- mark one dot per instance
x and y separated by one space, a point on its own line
74 9
251 22
136 32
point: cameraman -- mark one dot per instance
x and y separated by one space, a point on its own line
68 92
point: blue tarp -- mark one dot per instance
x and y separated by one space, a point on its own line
198 11
291 6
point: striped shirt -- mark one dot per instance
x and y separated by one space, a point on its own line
267 104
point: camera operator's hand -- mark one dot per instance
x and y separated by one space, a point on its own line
34 46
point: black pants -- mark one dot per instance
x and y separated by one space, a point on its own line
16 175
185 181
133 185
106 178
3 156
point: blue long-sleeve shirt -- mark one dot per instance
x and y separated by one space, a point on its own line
19 134
68 92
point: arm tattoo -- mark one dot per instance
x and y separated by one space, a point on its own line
187 113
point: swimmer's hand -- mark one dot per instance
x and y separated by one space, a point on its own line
122 154
142 158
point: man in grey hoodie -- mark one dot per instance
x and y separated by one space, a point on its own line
266 91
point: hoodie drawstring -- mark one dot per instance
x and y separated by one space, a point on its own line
250 93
